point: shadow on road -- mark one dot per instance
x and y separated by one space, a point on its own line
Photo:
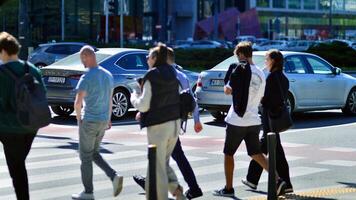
310 120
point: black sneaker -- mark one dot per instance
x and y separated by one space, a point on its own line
289 188
224 192
249 184
191 194
281 186
140 180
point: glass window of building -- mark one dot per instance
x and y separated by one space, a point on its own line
324 4
294 4
279 3
338 4
262 3
350 5
310 4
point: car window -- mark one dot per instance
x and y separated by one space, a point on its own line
319 66
59 49
132 62
295 65
74 48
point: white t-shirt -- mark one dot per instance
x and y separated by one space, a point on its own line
256 92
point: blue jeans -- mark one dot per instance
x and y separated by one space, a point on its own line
90 137
184 166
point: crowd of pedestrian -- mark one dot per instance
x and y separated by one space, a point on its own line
159 104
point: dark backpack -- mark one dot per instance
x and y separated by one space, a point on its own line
31 102
187 105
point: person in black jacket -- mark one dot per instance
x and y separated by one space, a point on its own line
272 100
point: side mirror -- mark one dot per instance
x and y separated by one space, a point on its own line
336 71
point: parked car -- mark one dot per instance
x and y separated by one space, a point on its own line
249 38
314 85
204 44
181 44
273 44
126 65
259 41
49 53
298 45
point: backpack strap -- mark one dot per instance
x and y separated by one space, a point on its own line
27 67
9 72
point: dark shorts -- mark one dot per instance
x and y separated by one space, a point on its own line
235 135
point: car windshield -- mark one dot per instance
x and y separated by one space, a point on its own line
74 60
224 65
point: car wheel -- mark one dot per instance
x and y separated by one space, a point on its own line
350 106
290 103
218 115
63 111
121 104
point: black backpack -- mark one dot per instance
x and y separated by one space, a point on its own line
187 105
31 102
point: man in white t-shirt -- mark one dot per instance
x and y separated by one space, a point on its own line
246 84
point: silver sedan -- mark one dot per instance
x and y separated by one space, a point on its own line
314 85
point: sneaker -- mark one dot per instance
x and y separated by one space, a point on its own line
288 190
249 184
191 194
224 192
83 196
140 180
281 186
179 193
117 185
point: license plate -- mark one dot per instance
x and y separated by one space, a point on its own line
60 80
217 82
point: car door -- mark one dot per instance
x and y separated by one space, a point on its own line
301 81
331 87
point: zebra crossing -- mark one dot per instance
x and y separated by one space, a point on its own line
54 167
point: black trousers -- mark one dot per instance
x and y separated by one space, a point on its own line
16 149
184 166
282 167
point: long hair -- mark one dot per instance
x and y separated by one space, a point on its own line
160 52
277 57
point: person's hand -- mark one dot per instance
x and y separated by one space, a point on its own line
198 127
138 116
109 125
227 90
79 120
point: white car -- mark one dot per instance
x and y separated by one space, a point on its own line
314 85
273 44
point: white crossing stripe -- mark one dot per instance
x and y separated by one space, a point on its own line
342 163
340 149
288 144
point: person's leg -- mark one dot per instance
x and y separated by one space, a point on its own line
229 165
282 163
184 166
157 135
255 170
87 132
172 141
98 159
16 149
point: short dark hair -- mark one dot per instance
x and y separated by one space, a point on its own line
9 44
245 48
277 58
160 52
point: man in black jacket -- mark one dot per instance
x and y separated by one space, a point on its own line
246 82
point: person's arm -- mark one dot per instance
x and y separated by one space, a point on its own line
184 82
227 87
78 104
142 103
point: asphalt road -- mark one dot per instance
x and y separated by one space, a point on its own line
320 149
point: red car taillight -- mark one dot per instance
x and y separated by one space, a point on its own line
76 76
199 82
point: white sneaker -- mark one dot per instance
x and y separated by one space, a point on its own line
83 196
117 184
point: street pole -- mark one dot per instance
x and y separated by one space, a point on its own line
330 19
106 10
216 19
23 28
62 20
121 23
